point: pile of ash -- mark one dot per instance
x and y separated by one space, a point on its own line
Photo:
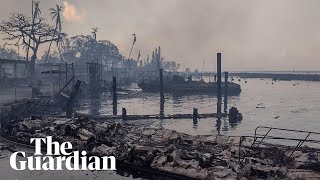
168 151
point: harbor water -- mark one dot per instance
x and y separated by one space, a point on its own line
281 104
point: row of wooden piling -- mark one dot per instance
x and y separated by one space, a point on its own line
195 111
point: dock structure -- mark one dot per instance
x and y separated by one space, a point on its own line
219 98
226 76
149 116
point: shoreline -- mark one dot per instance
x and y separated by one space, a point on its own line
279 76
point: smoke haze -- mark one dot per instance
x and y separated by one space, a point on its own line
71 13
252 35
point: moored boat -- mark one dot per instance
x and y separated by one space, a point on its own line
178 85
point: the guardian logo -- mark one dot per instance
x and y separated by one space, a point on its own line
59 156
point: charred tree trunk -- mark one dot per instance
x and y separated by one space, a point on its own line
32 66
48 51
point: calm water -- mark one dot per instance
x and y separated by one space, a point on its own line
284 104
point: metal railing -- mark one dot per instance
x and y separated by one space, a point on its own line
258 138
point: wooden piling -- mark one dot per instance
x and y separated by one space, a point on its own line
161 94
195 116
226 76
149 117
114 93
219 98
124 114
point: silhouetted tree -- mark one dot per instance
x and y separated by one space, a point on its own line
86 49
6 53
53 57
171 66
35 14
19 27
56 16
94 33
133 42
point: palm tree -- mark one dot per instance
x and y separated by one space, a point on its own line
94 33
35 14
55 15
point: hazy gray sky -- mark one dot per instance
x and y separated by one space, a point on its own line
251 34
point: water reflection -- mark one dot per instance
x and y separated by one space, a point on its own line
225 104
225 127
297 106
195 118
218 124
148 103
195 123
234 122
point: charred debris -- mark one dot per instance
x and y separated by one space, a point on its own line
159 151
167 151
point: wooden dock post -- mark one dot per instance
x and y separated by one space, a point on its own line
161 94
124 113
195 116
114 95
226 76
219 98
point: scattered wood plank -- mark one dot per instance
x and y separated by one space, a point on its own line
141 117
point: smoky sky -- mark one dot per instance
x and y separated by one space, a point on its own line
250 34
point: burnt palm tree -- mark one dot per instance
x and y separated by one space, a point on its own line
35 14
94 33
55 15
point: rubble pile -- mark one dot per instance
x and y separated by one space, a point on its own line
163 150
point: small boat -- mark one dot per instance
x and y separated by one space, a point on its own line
178 85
